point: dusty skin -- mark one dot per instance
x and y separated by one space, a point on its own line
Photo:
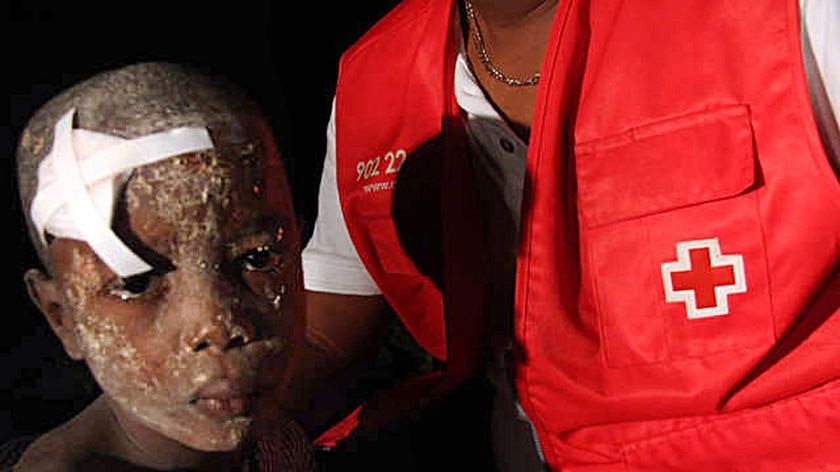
186 353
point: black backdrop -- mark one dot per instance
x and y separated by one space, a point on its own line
283 53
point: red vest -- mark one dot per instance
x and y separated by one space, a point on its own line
677 290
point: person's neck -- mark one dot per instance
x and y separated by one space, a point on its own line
139 445
508 13
514 36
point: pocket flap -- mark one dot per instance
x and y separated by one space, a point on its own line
665 165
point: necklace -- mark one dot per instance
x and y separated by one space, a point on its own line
484 56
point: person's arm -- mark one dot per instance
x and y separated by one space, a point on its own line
341 330
347 317
345 327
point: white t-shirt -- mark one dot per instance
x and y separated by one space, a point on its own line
330 261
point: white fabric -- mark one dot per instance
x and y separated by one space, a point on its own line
331 263
822 21
79 179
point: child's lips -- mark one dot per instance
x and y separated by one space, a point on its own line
224 407
238 386
224 398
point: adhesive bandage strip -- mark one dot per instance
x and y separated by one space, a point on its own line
78 182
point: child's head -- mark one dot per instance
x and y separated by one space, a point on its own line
160 209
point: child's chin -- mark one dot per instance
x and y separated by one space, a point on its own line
224 437
198 432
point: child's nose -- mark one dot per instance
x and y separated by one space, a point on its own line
221 337
215 317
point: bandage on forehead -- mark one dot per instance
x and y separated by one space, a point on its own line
79 183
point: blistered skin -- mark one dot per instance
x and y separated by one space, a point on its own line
185 350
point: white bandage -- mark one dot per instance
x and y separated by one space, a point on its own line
79 181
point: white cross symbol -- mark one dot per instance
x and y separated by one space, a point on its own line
703 278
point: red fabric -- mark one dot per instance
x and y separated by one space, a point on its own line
657 124
690 121
366 132
448 324
343 429
702 278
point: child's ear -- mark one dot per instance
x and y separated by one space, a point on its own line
46 295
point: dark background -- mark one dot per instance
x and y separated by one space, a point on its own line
283 53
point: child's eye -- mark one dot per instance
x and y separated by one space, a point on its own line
132 287
261 259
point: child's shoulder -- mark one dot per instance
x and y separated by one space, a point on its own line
63 448
47 453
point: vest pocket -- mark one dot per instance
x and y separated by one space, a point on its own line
672 242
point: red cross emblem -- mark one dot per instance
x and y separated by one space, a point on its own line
703 278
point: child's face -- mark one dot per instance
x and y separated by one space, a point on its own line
186 350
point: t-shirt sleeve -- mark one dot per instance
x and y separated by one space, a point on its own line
330 261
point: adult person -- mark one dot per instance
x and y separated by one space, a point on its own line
158 204
676 263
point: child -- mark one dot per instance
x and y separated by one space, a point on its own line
158 204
